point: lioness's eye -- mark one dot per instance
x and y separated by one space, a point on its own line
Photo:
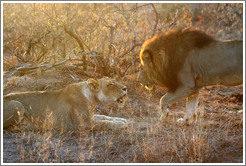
111 83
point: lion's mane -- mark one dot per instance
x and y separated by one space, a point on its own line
169 51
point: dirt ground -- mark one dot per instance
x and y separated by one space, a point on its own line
214 136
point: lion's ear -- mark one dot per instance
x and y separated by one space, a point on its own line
146 57
93 84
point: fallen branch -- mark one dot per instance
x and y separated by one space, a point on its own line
31 69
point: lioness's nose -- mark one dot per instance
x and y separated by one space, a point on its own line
124 89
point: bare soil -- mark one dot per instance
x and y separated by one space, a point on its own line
215 135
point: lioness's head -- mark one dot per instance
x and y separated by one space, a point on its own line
107 90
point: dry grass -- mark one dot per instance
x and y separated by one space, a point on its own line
204 142
215 136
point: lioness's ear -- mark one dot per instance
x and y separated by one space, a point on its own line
146 57
93 84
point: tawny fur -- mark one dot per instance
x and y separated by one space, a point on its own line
185 60
70 108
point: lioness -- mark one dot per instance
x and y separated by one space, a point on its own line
67 108
185 60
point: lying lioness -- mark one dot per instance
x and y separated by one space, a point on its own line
71 108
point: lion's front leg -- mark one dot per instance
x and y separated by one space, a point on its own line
170 98
191 105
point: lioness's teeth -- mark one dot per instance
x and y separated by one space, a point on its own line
121 99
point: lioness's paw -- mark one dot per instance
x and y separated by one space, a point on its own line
119 120
116 125
119 124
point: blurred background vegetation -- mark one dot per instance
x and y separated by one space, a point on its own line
102 39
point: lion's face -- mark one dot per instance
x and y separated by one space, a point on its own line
146 73
144 79
108 90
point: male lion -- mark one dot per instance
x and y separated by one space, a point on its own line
185 60
66 109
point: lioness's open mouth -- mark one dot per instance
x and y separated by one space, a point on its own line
121 99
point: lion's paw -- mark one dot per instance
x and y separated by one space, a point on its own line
183 121
164 117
